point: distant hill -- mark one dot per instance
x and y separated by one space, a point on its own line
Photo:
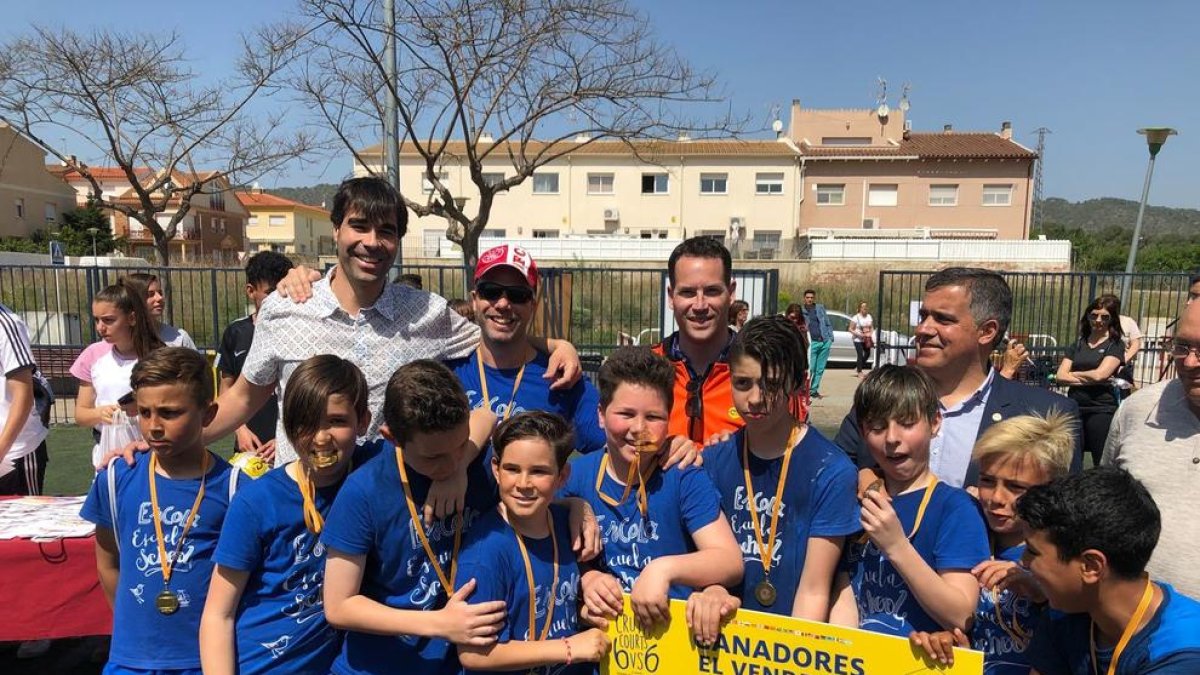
1095 215
313 196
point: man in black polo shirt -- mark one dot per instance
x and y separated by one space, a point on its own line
263 271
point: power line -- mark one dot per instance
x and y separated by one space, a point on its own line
1037 176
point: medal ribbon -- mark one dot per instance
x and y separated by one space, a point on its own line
1014 630
483 385
167 564
933 481
419 526
533 635
1126 635
312 515
764 552
635 471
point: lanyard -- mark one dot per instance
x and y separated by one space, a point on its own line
933 481
1126 635
533 635
419 526
765 552
312 515
168 563
484 388
644 445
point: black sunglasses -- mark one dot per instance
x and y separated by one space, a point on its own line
491 291
1096 316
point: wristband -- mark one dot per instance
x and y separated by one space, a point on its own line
567 642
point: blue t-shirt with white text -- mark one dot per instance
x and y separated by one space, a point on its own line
1169 644
818 501
1004 651
143 638
492 557
370 518
952 536
680 503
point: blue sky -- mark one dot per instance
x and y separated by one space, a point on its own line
1093 72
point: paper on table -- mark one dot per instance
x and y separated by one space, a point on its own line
43 518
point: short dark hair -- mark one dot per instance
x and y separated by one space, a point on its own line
175 365
267 267
807 291
1105 509
423 397
1194 279
777 346
308 390
702 247
536 425
412 281
636 365
991 297
891 392
374 198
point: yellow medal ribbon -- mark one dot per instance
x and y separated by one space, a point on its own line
312 515
167 564
933 481
764 552
1130 629
419 526
644 445
529 578
484 388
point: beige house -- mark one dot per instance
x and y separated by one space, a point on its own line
31 198
285 226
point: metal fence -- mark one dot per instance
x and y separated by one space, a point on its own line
1047 308
596 308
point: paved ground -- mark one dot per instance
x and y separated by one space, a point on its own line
837 389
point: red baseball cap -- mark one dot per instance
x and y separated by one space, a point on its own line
508 256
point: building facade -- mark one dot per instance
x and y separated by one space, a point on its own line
285 226
31 198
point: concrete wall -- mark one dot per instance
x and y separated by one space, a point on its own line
24 181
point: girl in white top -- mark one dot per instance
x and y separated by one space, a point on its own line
151 289
862 326
104 367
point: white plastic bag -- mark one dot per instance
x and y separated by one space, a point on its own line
121 432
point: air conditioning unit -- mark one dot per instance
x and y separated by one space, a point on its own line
870 223
611 215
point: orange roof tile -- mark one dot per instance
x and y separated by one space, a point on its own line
252 199
953 145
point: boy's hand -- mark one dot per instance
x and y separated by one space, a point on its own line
719 437
473 625
563 367
297 285
866 478
1003 574
683 452
601 595
707 610
880 522
585 530
939 646
590 645
586 616
446 497
649 600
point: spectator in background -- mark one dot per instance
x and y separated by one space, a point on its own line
412 281
103 369
463 307
23 454
149 287
795 314
1087 366
1131 338
739 313
820 333
263 271
862 328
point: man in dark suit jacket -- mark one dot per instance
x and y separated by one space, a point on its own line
964 314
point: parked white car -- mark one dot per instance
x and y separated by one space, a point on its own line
842 350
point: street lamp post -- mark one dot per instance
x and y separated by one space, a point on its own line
93 231
1156 137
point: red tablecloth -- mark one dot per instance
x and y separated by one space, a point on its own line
51 590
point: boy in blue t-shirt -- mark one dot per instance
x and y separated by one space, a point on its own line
520 553
911 569
662 531
1013 456
1090 536
785 488
264 611
157 521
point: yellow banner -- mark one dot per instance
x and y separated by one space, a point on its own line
756 643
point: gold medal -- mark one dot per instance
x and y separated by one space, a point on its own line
167 602
324 452
646 446
765 593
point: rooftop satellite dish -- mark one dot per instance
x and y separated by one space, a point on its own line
883 110
777 126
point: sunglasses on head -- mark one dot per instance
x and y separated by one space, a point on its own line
1094 316
491 291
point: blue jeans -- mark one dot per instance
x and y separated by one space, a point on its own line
818 355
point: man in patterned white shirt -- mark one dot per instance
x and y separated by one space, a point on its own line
354 313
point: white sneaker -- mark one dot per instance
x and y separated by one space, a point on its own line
32 649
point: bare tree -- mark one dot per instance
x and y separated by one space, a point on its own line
175 134
532 74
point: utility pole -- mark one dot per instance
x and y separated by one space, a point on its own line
1037 177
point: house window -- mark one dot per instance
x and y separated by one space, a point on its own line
714 183
492 179
20 204
600 183
545 234
831 194
768 183
492 233
252 221
51 212
276 221
766 240
719 235
655 183
431 241
545 183
943 195
883 194
427 185
997 195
